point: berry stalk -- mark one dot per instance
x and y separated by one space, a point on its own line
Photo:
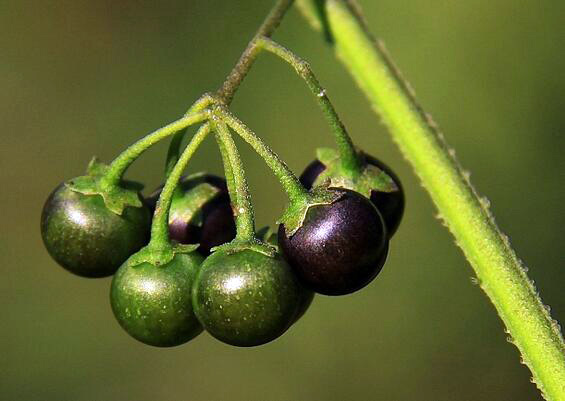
160 225
290 183
237 184
349 159
121 163
174 148
247 58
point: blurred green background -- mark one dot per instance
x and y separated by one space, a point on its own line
82 78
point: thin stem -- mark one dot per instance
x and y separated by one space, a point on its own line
174 147
228 173
160 225
349 158
173 153
288 180
498 269
127 157
237 184
240 70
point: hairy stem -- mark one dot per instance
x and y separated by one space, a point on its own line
240 70
174 148
349 158
496 265
288 180
160 225
127 157
228 172
173 153
237 184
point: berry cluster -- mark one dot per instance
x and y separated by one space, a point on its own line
187 258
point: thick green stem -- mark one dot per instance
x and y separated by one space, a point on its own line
349 158
237 184
160 225
289 181
126 158
242 67
498 269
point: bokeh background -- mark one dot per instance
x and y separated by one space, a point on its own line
82 78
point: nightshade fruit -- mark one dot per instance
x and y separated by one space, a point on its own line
304 304
153 303
246 298
307 296
200 213
390 204
88 239
340 247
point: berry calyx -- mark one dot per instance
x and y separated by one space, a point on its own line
383 187
153 303
246 298
88 239
200 212
340 247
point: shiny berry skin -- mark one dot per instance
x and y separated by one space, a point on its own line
340 247
246 298
153 303
305 302
217 222
88 239
390 204
307 296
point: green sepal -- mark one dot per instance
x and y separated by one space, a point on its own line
254 245
116 198
371 178
295 214
96 168
159 255
191 201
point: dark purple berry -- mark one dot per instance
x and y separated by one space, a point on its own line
218 225
214 225
340 247
390 204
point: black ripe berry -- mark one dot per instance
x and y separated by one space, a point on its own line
340 247
390 204
212 225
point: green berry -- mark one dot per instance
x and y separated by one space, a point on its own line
153 303
246 298
88 239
